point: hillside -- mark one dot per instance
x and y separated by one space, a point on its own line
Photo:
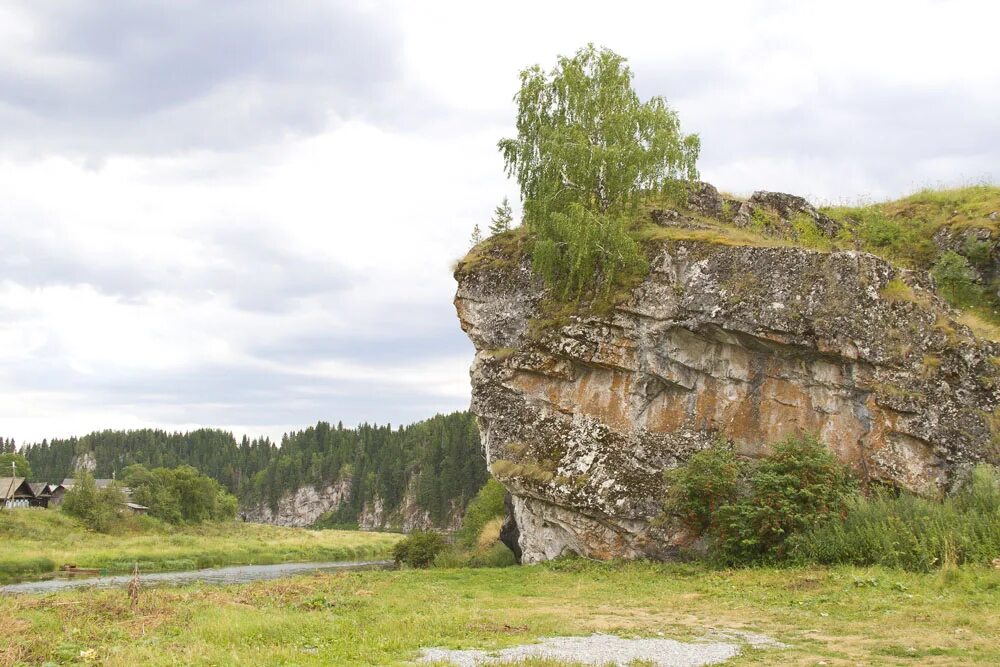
376 476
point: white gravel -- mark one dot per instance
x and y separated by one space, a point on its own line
604 650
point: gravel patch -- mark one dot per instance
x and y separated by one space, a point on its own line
598 649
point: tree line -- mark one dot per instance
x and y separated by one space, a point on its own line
438 458
211 451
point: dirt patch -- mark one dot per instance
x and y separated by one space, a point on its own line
601 649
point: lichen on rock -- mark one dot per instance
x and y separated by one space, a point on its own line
746 343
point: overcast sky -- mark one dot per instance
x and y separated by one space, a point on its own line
244 214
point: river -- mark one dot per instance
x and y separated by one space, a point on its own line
237 574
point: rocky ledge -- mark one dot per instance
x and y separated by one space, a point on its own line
742 342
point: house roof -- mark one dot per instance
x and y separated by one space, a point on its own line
14 487
39 488
70 482
136 506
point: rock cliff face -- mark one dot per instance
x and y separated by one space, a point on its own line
308 503
747 343
301 508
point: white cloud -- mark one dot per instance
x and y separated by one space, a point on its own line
263 241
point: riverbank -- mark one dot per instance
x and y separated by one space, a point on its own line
35 542
837 616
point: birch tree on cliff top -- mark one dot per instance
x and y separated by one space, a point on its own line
587 150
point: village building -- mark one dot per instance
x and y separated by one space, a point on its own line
56 494
15 492
40 491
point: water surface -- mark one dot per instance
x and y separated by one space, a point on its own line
237 574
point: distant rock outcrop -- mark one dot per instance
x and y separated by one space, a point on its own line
308 504
750 343
301 508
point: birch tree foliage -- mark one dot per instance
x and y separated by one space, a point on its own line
584 137
587 151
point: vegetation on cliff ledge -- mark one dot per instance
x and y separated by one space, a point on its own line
587 152
605 179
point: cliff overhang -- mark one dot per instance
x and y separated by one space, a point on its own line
746 342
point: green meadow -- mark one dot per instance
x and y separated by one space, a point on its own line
34 542
832 616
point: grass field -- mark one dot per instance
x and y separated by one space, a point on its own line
835 616
36 541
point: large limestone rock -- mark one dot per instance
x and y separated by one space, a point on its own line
302 507
750 344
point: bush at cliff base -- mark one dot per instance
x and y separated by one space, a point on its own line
902 530
749 510
799 505
419 549
486 506
798 486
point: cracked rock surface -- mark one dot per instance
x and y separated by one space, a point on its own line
750 344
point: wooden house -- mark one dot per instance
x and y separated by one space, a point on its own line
15 492
40 491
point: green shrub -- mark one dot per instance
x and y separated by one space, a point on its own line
497 555
487 505
180 495
905 531
794 488
419 549
696 490
749 511
956 280
98 509
579 251
456 556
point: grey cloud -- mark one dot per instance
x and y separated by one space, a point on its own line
868 131
164 76
395 344
228 394
250 268
260 274
903 124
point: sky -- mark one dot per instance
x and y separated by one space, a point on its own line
244 214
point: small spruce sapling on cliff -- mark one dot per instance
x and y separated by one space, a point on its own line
502 218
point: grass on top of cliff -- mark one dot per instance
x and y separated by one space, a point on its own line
34 542
903 230
910 232
834 616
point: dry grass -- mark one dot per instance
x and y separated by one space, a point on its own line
490 533
896 291
981 327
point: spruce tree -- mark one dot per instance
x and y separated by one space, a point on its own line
477 236
502 217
